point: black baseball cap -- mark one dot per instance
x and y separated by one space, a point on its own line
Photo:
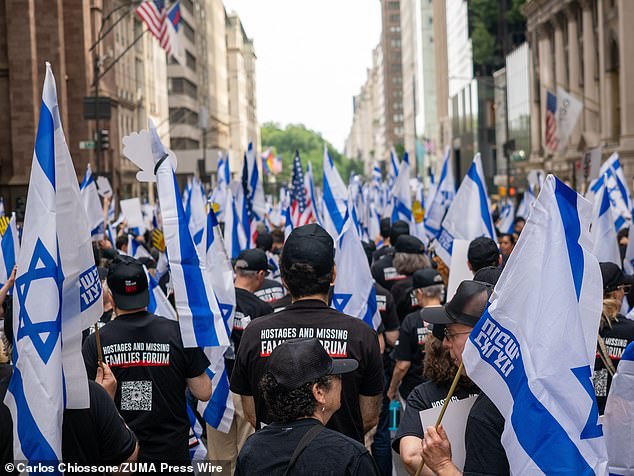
253 260
465 307
488 274
299 361
312 245
483 251
409 244
426 277
613 276
399 227
128 283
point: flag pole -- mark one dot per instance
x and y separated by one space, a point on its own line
99 353
452 389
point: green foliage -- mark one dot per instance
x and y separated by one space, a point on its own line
484 46
310 144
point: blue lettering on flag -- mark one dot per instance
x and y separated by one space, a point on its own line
548 444
90 288
445 239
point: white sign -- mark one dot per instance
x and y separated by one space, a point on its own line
103 186
454 422
131 210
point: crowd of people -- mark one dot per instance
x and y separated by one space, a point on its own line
312 387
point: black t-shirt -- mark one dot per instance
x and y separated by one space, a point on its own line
270 291
341 335
387 308
381 252
147 357
616 339
410 348
404 297
485 454
282 303
384 272
91 436
268 452
426 395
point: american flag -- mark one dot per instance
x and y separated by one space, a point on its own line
158 20
551 121
301 205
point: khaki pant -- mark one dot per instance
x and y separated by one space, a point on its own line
226 446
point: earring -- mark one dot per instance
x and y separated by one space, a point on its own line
323 409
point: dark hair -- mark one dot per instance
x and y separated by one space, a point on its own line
385 227
121 241
623 233
301 279
289 405
264 241
510 236
277 235
437 364
518 219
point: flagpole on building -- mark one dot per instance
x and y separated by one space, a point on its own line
452 389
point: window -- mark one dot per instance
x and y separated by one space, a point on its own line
180 143
395 29
190 60
395 68
189 31
182 86
393 5
395 18
395 43
182 115
397 79
189 5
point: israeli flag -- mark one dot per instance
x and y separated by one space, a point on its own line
309 186
469 215
506 222
393 171
111 208
354 292
92 204
402 199
533 350
374 222
619 410
9 250
57 295
195 213
605 244
137 250
235 237
197 449
335 198
200 321
218 412
377 177
611 175
288 222
441 200
159 304
224 177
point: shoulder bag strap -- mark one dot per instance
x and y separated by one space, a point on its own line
302 445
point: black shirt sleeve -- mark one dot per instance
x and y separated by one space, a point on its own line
89 352
405 347
390 319
240 374
410 420
373 379
485 454
116 441
196 362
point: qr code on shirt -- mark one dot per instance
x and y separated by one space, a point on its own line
600 381
136 395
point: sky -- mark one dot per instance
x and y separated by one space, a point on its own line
312 58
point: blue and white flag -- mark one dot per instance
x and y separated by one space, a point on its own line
197 449
252 205
377 177
200 321
393 170
619 416
217 197
288 222
219 410
541 381
159 304
136 249
354 293
611 175
605 244
235 237
469 215
441 200
401 196
111 208
310 187
196 214
92 204
335 198
57 295
506 222
9 250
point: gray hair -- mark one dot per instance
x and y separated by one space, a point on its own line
434 291
409 263
246 273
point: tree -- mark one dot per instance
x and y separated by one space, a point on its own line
310 144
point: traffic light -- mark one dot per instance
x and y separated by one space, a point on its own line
104 139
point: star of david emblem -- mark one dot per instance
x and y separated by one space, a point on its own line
225 310
341 301
42 266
